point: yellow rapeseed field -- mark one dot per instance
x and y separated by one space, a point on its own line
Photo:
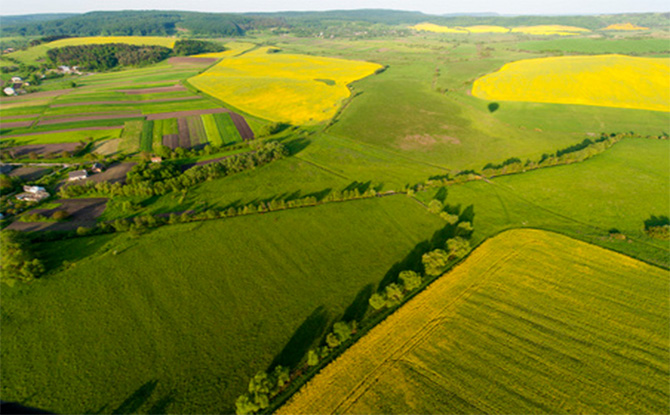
531 322
232 49
624 27
430 27
601 80
298 89
130 40
550 30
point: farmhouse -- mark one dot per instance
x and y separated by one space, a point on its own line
9 91
77 175
97 168
156 159
17 79
33 194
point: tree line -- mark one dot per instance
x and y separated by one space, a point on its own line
19 263
101 57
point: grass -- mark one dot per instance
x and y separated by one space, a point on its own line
146 137
132 137
281 87
617 189
634 46
601 80
227 129
65 137
211 129
185 304
531 322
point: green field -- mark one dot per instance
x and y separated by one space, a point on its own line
531 322
193 310
618 189
640 46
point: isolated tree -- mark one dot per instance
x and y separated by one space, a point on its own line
410 280
378 301
464 228
260 383
457 247
435 206
434 262
281 376
332 341
244 405
312 358
393 294
60 215
449 218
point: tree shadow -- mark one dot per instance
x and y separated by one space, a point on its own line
161 406
359 306
441 194
362 187
468 214
16 408
296 145
310 330
137 399
320 195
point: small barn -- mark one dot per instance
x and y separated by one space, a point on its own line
77 175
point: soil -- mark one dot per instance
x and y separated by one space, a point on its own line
185 59
184 136
42 149
90 118
21 116
171 140
77 104
83 212
242 126
115 173
28 174
16 124
176 114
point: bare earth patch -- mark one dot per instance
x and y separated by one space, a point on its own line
174 88
77 104
42 149
83 212
424 141
28 174
64 131
185 59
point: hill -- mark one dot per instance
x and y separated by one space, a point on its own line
531 322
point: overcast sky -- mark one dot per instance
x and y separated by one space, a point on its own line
12 7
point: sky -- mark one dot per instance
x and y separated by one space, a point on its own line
9 7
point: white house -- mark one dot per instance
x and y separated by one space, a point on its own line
16 79
77 175
33 189
9 91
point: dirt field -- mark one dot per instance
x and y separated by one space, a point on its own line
35 95
77 104
171 140
184 136
28 174
176 114
16 124
242 126
185 59
64 131
114 174
83 212
42 149
21 116
90 118
174 88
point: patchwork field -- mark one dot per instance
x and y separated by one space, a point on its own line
291 88
604 80
186 314
531 322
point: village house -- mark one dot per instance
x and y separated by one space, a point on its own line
33 194
77 175
9 91
17 79
97 168
156 159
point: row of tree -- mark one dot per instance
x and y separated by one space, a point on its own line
265 153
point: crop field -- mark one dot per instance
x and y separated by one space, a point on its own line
560 30
283 87
603 80
599 46
530 30
624 27
38 53
184 305
531 322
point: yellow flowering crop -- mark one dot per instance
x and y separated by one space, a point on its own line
429 27
552 29
624 26
601 80
298 89
130 40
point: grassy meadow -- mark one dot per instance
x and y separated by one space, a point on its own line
531 322
186 314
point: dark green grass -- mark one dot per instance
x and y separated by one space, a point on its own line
618 189
146 139
227 129
190 312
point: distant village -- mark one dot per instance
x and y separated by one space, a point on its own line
17 86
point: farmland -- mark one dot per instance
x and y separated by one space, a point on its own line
243 206
188 335
603 80
532 322
254 81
